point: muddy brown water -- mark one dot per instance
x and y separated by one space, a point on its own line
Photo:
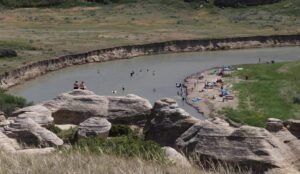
164 71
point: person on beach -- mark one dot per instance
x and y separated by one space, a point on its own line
76 85
82 85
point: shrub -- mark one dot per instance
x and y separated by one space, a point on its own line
9 103
7 53
68 136
120 130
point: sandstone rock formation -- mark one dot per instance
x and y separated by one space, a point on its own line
38 113
2 117
168 123
94 127
176 157
76 106
216 141
27 131
294 127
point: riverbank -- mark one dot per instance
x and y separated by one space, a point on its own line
38 68
259 91
204 89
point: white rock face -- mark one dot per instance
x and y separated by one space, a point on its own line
94 127
8 144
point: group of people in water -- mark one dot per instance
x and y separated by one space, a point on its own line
78 85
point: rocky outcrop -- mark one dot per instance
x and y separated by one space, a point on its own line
76 106
215 141
2 116
38 113
249 147
176 158
35 69
167 122
236 3
27 131
293 126
94 127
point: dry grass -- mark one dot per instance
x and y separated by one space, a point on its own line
79 163
58 31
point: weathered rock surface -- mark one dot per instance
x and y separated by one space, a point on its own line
38 113
176 157
94 127
293 126
274 125
168 122
27 131
2 116
251 147
76 106
216 141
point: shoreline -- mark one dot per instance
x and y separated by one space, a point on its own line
35 69
207 100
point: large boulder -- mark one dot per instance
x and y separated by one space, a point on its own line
27 131
78 105
274 125
176 157
94 127
38 113
167 122
249 147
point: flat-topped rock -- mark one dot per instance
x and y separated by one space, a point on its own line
76 106
94 127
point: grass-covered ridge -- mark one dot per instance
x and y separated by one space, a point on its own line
269 92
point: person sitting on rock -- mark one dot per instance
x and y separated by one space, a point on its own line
76 85
82 85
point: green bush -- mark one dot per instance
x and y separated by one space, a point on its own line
8 103
126 146
120 130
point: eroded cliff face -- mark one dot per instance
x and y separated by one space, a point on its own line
36 69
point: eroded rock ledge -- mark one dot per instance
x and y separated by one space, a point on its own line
36 69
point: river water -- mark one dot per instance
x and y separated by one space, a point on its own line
164 71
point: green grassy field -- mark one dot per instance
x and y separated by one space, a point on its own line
268 93
43 33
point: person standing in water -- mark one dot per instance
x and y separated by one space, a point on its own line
76 85
82 85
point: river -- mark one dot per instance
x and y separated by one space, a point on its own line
164 71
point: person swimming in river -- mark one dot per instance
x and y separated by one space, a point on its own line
76 85
82 85
132 73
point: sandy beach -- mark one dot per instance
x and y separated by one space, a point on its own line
206 98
